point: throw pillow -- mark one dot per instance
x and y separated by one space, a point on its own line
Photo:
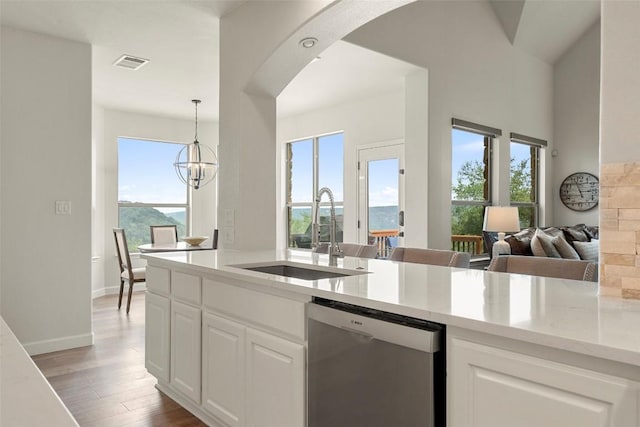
520 242
588 250
536 246
593 231
575 233
553 231
541 245
564 248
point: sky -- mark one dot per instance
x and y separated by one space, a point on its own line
466 146
330 168
383 174
469 146
383 182
146 173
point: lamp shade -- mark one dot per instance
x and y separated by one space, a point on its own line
501 218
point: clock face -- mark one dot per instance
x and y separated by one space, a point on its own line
580 191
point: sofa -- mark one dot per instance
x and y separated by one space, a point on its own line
570 242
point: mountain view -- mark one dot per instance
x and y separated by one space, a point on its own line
380 217
136 222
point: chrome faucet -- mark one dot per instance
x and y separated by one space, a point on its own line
334 249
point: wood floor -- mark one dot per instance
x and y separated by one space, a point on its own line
106 384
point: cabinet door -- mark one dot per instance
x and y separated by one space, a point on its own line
491 387
223 344
185 350
275 381
156 339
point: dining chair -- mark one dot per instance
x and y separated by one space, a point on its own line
127 272
559 268
431 256
164 233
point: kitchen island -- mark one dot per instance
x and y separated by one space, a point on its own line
229 343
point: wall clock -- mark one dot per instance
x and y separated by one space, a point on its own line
580 191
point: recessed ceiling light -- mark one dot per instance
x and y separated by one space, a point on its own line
130 62
308 42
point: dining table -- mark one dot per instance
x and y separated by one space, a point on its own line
175 246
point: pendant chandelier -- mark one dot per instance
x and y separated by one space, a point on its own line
196 165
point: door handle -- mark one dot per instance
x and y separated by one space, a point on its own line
401 218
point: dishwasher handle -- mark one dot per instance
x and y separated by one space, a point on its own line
361 334
406 336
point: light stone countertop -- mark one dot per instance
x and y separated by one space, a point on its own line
26 398
563 314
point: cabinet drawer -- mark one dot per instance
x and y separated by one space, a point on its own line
273 312
186 287
158 280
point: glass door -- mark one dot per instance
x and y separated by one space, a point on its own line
380 197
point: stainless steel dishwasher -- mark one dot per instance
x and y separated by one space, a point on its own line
372 368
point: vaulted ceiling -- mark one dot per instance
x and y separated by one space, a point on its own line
181 40
546 29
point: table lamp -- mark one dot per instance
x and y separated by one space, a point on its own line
501 219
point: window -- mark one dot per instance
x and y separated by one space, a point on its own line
470 182
525 177
149 192
312 164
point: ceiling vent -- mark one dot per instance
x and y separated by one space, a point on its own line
130 62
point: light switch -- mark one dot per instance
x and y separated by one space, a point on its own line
228 236
63 207
228 219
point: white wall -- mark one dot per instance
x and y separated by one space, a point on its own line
474 74
577 121
97 203
46 156
121 123
620 124
259 55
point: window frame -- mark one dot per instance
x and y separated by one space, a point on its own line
315 179
536 145
187 205
489 134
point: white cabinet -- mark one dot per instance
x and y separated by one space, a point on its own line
275 381
223 343
185 349
493 387
156 339
251 378
233 356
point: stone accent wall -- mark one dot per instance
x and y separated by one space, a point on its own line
620 230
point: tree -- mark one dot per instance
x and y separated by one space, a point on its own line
470 182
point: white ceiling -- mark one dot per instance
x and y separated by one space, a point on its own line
180 38
546 29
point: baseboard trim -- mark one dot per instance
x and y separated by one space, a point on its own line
111 290
57 344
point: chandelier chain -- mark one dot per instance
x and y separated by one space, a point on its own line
196 102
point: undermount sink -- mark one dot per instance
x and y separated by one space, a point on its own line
298 272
